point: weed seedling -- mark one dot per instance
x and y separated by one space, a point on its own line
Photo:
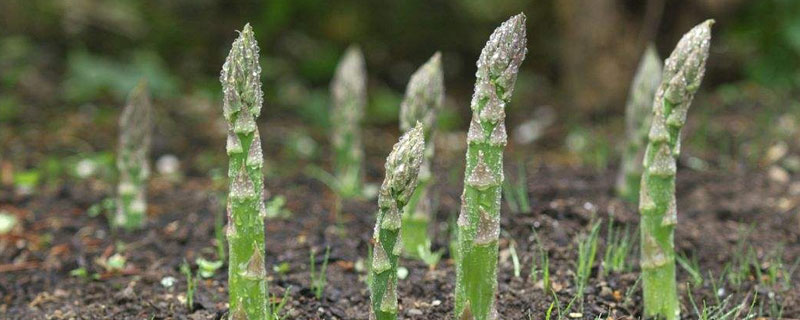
191 284
430 258
587 253
544 264
514 258
549 311
692 267
218 200
319 280
787 274
722 310
277 305
207 269
618 247
107 207
276 208
516 194
628 300
546 271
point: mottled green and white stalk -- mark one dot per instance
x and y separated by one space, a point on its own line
241 85
479 220
638 113
423 100
402 169
349 97
683 72
135 126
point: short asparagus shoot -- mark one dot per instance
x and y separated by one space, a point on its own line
683 72
423 100
247 276
132 160
638 114
479 220
402 169
348 95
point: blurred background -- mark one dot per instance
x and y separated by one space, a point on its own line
66 67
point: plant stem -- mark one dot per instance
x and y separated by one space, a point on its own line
241 84
683 72
479 219
638 114
423 100
348 94
402 170
132 160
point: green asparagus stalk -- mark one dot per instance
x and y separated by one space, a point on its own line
402 170
348 93
241 84
638 114
479 220
423 100
132 159
683 72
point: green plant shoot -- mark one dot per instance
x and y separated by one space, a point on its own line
132 160
683 72
638 114
348 94
402 169
479 220
247 276
424 97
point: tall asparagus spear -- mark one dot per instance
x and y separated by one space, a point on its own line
638 114
349 97
402 170
424 98
479 220
136 126
241 84
683 72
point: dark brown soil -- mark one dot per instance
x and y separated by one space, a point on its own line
56 236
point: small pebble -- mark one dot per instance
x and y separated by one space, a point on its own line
778 174
125 295
167 282
606 292
85 168
776 152
794 188
168 164
402 273
414 312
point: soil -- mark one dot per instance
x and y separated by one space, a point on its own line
716 211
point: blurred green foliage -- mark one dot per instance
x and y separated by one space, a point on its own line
67 64
590 145
13 53
767 36
89 76
96 50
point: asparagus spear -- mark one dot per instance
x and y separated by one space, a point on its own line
479 220
683 72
